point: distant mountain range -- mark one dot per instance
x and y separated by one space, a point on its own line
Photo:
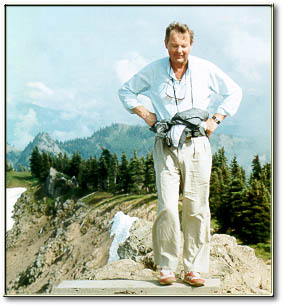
120 138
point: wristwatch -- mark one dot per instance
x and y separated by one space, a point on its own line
216 120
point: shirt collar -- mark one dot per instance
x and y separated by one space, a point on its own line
171 73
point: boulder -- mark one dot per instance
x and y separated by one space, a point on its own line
124 269
138 246
57 183
237 266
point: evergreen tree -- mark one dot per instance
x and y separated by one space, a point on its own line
256 169
136 173
219 189
219 159
149 176
234 202
123 178
58 164
36 162
52 159
215 191
84 173
65 164
266 176
220 166
93 173
241 210
223 212
45 166
236 170
253 216
233 196
74 165
113 173
104 165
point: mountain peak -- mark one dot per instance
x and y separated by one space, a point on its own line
42 135
44 143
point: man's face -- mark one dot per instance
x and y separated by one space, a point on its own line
179 46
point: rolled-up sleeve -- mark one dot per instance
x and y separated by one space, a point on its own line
223 85
138 84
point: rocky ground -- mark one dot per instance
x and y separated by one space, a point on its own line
44 248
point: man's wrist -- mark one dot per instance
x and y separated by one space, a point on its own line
147 116
216 120
150 118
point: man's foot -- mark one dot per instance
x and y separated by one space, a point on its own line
166 277
194 279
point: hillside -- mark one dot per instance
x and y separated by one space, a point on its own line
116 138
121 137
65 238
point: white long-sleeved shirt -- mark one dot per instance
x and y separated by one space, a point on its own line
198 88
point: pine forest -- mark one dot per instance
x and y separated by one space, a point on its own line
240 205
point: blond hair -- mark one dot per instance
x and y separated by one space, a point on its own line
180 28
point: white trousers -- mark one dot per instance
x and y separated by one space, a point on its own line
189 169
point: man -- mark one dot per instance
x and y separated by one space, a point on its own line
181 88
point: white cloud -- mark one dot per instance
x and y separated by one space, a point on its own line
23 131
65 115
127 67
69 102
63 135
40 89
56 99
251 54
73 112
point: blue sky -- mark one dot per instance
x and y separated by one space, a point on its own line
65 64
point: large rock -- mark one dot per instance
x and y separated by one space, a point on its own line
57 184
124 269
238 267
138 246
240 271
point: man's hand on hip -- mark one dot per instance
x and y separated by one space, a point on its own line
212 123
147 116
